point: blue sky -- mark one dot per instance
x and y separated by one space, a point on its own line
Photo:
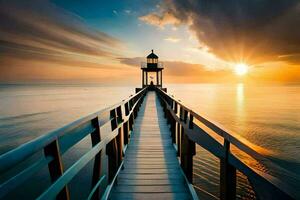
118 18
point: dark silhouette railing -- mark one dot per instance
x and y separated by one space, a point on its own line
116 120
186 132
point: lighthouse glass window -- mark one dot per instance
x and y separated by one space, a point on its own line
151 60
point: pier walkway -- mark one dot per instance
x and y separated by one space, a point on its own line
151 168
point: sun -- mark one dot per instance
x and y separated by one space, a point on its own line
241 69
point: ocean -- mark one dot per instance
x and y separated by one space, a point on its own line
265 115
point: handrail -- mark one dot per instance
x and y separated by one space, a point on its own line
181 116
16 155
56 143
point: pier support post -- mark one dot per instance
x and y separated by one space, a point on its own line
227 176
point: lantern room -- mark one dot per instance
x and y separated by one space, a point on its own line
152 60
152 71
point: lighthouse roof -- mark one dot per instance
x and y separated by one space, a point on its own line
152 55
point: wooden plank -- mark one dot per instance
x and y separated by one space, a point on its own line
153 166
122 181
152 171
151 188
150 164
149 196
151 176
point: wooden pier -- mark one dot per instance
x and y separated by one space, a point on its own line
151 168
141 148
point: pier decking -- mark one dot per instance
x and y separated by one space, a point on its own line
151 168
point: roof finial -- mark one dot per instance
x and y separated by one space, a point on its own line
152 50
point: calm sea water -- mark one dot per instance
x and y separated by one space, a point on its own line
268 116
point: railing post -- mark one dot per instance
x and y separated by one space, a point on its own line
56 168
119 139
178 127
114 120
186 157
120 135
112 153
131 122
173 130
191 121
127 109
179 132
125 132
227 176
188 150
96 138
119 114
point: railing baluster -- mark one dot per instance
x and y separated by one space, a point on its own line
179 128
119 114
227 176
56 168
131 122
173 130
126 108
191 121
185 114
180 112
125 132
113 117
112 153
119 139
186 155
96 138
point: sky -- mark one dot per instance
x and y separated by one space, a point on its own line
92 41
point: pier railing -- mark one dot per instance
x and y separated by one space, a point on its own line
47 150
188 129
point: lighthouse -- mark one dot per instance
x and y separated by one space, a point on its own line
152 72
152 67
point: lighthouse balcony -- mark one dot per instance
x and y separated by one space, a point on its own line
152 65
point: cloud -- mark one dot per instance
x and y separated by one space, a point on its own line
127 11
40 32
251 30
172 39
159 20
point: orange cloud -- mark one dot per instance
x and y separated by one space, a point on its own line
159 20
